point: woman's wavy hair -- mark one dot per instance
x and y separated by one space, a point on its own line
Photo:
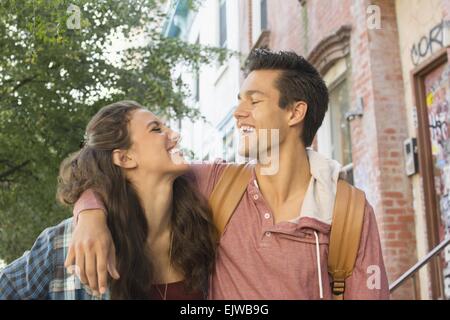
92 167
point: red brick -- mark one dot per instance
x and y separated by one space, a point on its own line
388 203
393 195
395 211
390 130
393 227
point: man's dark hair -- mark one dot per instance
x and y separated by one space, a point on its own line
298 81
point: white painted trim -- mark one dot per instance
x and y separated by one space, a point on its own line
324 139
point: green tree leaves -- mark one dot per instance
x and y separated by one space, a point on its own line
54 78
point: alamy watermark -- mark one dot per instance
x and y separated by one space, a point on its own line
74 20
374 279
373 17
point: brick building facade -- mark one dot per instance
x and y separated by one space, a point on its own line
370 67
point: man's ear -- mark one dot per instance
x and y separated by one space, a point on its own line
123 159
297 113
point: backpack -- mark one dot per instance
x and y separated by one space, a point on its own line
345 229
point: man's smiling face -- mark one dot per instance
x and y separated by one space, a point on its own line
258 109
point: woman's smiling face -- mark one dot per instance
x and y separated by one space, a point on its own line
154 146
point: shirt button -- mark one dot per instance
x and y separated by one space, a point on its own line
255 197
267 215
268 234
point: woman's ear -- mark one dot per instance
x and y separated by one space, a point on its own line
297 113
123 159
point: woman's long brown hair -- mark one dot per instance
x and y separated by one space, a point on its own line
92 167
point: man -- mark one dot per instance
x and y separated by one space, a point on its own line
275 245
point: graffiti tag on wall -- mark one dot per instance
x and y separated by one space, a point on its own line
430 43
439 131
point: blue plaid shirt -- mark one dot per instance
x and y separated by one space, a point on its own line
40 272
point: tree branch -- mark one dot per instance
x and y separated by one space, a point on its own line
8 172
23 82
17 86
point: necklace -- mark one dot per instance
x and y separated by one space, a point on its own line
164 296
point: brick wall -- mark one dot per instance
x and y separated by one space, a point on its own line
378 136
285 25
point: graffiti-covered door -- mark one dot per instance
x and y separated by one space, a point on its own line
437 95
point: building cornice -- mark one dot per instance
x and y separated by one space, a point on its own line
331 49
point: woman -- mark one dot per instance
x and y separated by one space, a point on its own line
161 226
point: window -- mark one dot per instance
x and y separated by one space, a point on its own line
333 137
197 79
222 23
228 146
263 8
197 86
259 19
226 128
341 147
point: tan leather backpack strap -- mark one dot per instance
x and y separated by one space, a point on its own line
228 192
345 235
